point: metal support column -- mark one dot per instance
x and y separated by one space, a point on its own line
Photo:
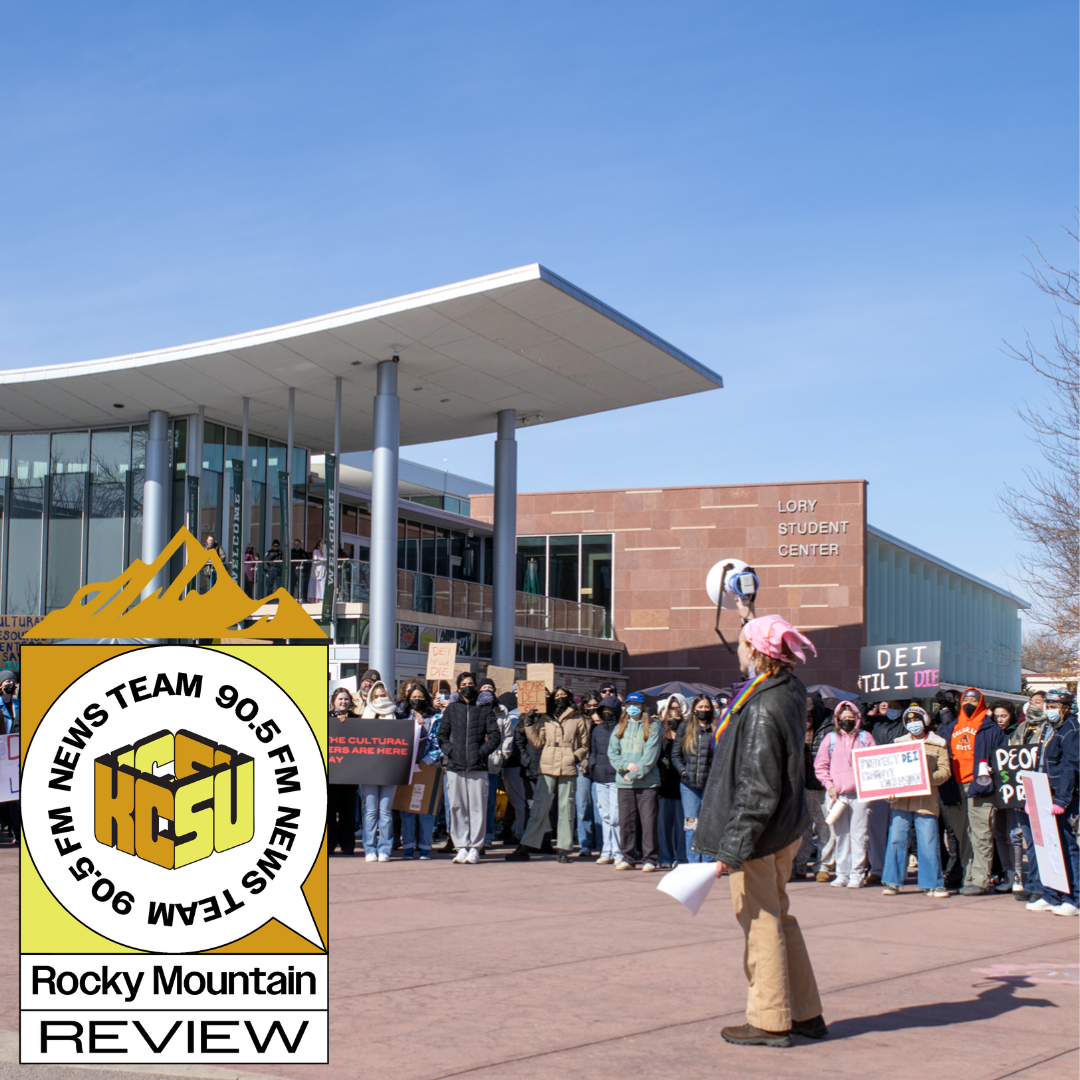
245 494
156 496
504 572
384 525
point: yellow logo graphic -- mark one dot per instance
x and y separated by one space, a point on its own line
112 609
205 804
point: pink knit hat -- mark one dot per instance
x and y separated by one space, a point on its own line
776 637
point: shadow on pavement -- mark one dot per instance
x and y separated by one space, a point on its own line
994 1001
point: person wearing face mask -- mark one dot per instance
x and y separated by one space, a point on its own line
1027 733
414 700
9 718
691 756
603 779
752 820
918 812
819 723
972 739
632 750
376 800
468 735
835 769
588 823
1001 824
886 726
670 819
340 798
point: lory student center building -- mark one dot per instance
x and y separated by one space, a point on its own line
101 462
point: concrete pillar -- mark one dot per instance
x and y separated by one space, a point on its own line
504 572
382 632
156 497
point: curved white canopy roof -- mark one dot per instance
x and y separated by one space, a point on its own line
522 339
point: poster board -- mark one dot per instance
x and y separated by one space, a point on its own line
503 677
1009 761
423 793
912 669
545 673
532 694
375 752
9 767
441 658
895 770
12 628
1044 832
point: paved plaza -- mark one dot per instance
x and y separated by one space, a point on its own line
537 971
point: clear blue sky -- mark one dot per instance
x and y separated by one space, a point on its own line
828 203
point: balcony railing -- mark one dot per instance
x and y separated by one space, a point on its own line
429 594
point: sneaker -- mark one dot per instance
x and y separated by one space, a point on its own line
1067 908
408 853
563 857
648 867
839 882
473 857
913 863
1003 886
810 1029
748 1035
623 864
1040 905
519 854
973 890
1018 885
873 879
822 876
857 883
1023 896
461 856
384 857
940 893
370 856
891 890
604 860
425 856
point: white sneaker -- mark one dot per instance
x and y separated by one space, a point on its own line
473 857
623 864
384 858
369 856
1067 908
461 856
913 863
648 867
855 883
1003 886
839 883
1039 905
604 860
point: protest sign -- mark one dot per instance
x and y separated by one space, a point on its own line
1008 761
9 767
898 671
440 660
532 694
503 677
895 770
545 673
12 628
375 752
1044 831
423 793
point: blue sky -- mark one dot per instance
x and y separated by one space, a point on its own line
827 203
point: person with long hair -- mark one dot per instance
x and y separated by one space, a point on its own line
751 822
378 799
588 822
691 757
633 751
341 798
414 700
602 778
670 829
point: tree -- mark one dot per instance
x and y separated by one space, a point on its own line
1044 509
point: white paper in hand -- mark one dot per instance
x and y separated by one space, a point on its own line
689 883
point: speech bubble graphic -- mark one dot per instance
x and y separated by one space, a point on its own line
174 801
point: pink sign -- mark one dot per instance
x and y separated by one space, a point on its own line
895 770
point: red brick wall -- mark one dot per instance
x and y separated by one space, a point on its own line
666 540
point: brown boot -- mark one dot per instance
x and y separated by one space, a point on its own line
748 1035
823 876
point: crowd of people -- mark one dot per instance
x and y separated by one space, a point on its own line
608 778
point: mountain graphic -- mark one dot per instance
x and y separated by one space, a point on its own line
112 609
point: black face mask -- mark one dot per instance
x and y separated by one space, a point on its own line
469 694
847 725
969 708
419 705
607 715
704 717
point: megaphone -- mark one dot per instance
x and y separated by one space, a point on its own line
727 583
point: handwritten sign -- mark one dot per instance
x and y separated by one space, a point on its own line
503 677
895 770
9 767
1044 830
12 628
1008 761
440 660
374 752
532 694
897 671
543 672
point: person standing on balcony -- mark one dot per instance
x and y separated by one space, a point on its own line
273 559
298 563
318 571
251 561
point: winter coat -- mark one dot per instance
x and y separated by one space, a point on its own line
669 775
755 799
693 766
528 758
987 739
833 765
820 724
1058 758
562 742
600 769
937 764
468 735
507 721
633 747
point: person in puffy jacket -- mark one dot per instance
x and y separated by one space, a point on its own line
468 735
670 818
563 743
602 776
633 751
835 769
691 757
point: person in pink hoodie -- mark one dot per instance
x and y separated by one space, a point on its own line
836 771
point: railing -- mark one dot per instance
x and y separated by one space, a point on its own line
429 594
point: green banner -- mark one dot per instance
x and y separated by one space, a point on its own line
236 503
192 508
330 531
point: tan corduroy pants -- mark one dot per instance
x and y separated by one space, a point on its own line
782 983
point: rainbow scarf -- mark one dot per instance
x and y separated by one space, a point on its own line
735 706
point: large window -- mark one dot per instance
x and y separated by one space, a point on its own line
68 470
576 567
29 472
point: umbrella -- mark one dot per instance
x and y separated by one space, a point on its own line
832 693
688 690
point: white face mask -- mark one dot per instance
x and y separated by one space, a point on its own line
915 727
1052 714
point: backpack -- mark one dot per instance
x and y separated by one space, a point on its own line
832 741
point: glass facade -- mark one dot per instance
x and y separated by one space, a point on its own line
575 567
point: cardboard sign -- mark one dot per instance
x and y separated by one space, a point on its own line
532 694
1008 761
544 672
895 770
503 677
9 767
440 660
423 793
374 752
887 672
12 628
1044 830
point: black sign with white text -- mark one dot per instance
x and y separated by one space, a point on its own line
899 671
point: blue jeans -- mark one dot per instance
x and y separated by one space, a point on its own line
377 802
672 836
926 844
691 808
586 815
1032 882
413 823
607 811
1072 856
